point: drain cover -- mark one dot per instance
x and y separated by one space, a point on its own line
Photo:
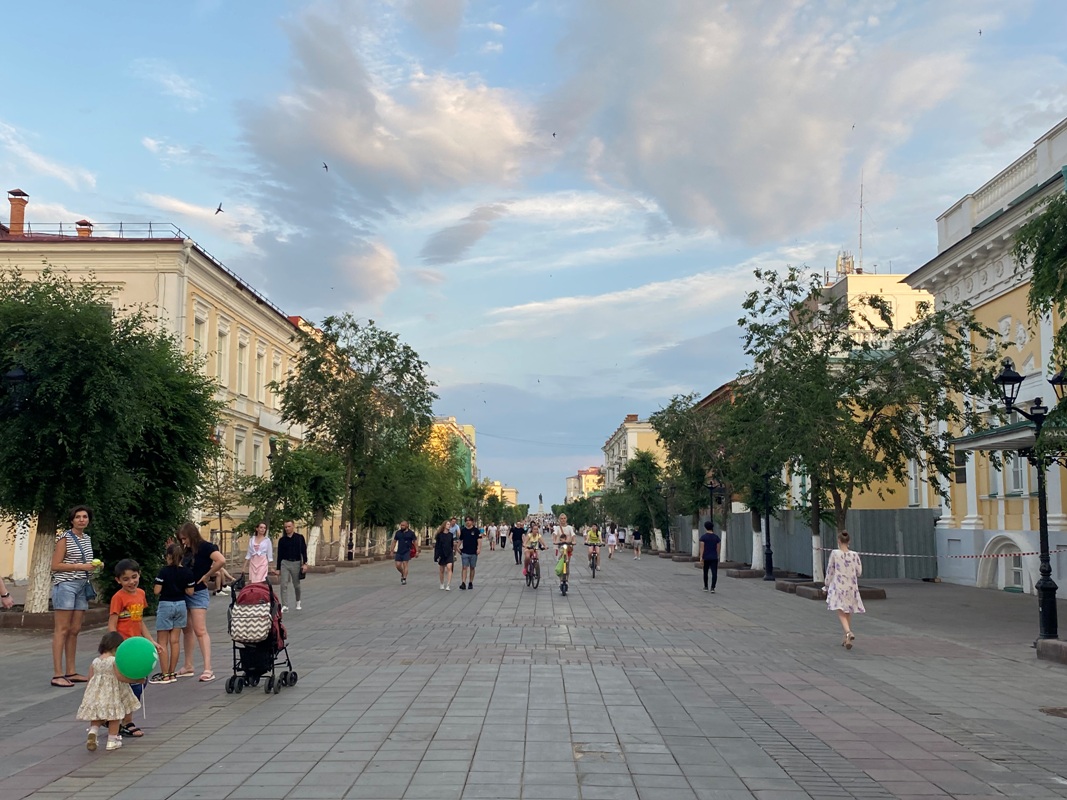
1055 712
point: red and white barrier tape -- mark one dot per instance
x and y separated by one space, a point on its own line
988 555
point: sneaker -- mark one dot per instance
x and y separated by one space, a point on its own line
284 609
635 558
712 591
298 606
114 742
403 581
470 585
705 588
442 587
448 588
90 741
463 586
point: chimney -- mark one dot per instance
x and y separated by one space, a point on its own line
630 418
85 228
18 212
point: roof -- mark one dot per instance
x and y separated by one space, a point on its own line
1015 436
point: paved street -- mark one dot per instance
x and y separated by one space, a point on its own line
636 685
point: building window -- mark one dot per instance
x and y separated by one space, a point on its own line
242 366
1016 474
261 374
1015 572
914 483
960 457
199 337
257 458
239 453
276 378
994 480
222 357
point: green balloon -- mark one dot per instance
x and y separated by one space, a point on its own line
135 658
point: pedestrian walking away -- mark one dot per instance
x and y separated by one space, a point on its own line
403 550
517 533
843 572
470 545
708 554
613 539
490 534
636 535
72 589
292 563
444 553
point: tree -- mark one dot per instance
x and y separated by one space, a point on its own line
639 483
360 390
221 489
112 414
851 401
694 440
1041 245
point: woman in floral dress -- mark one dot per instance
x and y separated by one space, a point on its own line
843 586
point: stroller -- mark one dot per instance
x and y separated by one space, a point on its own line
255 625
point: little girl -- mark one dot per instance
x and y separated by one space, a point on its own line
108 697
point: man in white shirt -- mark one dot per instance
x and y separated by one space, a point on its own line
490 531
562 533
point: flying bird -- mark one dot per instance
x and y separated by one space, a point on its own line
979 31
219 210
553 136
325 167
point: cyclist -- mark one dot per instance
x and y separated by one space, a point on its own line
593 541
562 533
530 542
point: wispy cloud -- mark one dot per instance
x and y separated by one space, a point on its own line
168 153
183 89
13 142
491 48
239 223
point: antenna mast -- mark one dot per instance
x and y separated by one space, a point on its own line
861 222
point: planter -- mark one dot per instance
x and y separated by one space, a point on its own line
665 554
323 568
815 591
349 564
789 585
682 558
42 621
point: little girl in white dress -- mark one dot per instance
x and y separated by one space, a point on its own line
108 697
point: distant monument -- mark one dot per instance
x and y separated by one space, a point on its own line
540 504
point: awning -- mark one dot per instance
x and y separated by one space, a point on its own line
1016 436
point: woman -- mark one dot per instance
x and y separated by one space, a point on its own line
843 586
444 553
613 539
260 555
636 536
205 560
72 564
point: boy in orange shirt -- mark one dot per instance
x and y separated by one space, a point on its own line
127 617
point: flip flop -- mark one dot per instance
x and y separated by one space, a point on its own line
74 677
62 682
184 674
207 677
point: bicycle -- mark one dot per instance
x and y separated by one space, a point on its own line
564 577
533 569
594 559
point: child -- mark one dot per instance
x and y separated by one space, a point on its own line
173 584
127 617
108 697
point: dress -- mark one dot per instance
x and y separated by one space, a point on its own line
842 582
106 697
259 557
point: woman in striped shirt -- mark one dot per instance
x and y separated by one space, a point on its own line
72 565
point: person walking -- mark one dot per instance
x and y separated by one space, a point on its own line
842 586
292 563
260 554
636 536
613 539
444 553
403 547
708 555
72 566
517 532
502 532
490 534
470 546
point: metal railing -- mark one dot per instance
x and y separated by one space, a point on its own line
110 230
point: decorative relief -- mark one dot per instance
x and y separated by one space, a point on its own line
1000 268
970 286
1021 337
1029 366
1004 327
984 277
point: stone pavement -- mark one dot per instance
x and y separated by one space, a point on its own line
636 685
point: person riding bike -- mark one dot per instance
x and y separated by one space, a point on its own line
593 541
531 542
562 533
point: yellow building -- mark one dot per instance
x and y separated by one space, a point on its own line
632 435
244 339
507 494
446 432
995 512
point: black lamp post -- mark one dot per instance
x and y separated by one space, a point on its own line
667 490
15 382
768 553
716 495
1009 382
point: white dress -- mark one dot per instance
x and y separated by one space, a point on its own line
106 697
843 582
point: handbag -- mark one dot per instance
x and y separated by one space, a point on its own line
89 589
414 549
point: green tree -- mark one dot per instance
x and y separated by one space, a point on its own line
639 482
221 489
1041 245
113 415
363 392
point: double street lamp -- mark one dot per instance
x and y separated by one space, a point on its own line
1010 382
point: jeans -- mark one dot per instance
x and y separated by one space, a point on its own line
714 567
290 574
517 547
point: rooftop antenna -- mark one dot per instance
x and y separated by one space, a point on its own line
861 223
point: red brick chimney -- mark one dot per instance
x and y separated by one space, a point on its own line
630 418
18 200
85 227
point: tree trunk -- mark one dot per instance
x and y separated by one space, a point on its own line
817 573
44 544
315 536
757 540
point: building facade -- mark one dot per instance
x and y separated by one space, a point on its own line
632 435
993 513
447 430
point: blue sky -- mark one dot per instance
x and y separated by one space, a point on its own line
553 283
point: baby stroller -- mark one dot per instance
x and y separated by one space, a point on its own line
255 625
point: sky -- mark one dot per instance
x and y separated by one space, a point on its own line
558 203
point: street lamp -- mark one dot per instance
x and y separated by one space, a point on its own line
15 382
716 494
667 490
1009 382
768 553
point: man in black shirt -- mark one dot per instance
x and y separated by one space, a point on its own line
291 562
517 532
470 545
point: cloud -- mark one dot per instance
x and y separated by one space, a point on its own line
491 48
452 243
12 141
437 20
739 117
168 153
371 269
170 82
239 223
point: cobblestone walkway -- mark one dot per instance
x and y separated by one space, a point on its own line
636 685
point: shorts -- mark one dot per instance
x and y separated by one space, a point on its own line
401 556
469 559
201 598
171 614
70 596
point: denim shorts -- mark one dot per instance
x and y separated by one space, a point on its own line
171 614
469 559
70 596
201 598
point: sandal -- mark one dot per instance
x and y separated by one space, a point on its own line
74 677
184 673
207 677
62 681
159 677
131 730
849 639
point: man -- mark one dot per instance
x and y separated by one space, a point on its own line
403 544
502 532
490 534
562 533
291 562
453 527
709 555
517 532
470 545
